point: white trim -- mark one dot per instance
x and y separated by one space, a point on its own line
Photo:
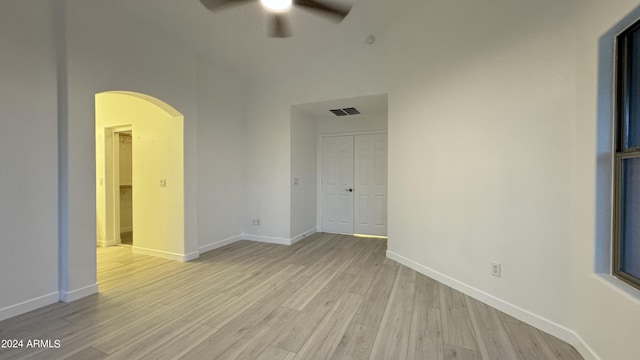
77 294
29 305
190 256
354 133
106 243
165 254
583 348
267 239
219 244
519 313
303 235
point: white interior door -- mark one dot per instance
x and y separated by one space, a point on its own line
337 184
354 184
370 184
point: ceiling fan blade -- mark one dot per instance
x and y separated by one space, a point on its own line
214 5
278 26
337 12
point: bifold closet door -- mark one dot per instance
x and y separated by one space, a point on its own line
354 184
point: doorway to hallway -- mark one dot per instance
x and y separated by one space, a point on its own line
139 172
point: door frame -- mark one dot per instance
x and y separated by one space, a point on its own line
111 182
319 202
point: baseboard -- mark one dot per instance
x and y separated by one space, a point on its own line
73 295
29 305
219 244
190 256
267 239
106 243
165 254
584 349
299 237
519 313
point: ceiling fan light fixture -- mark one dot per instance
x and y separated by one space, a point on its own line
276 5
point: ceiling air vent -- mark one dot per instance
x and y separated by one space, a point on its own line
338 112
345 111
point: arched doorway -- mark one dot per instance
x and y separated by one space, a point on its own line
157 175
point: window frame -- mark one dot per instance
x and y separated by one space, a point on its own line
621 149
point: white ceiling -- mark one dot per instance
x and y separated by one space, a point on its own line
236 36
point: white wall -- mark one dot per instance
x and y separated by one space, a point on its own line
353 124
221 151
606 312
304 169
497 130
28 157
478 150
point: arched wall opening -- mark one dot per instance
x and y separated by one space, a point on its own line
157 179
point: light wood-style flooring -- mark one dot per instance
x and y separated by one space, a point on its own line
326 297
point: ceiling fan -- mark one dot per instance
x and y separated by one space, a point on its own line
278 25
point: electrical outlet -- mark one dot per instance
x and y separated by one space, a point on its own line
496 269
255 222
163 182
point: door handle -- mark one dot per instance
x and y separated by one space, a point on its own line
349 190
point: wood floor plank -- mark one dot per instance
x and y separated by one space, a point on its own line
375 300
392 340
561 349
175 324
236 326
427 292
425 340
89 353
134 330
274 353
274 284
182 343
356 344
313 286
493 341
80 335
325 339
373 262
257 339
528 342
296 334
452 352
457 329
